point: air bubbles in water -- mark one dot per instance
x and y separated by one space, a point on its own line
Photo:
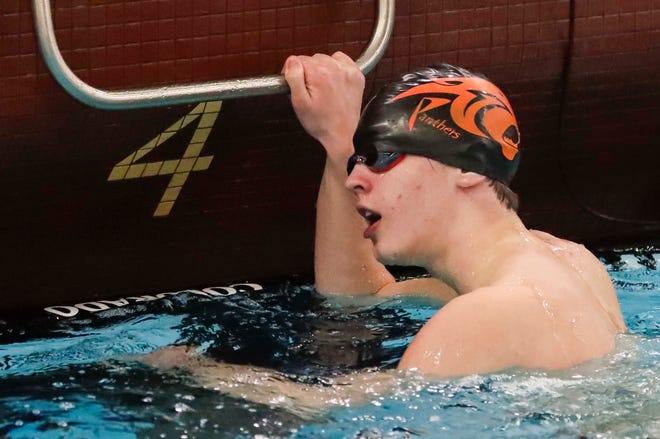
67 406
180 407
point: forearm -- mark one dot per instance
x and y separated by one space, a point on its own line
267 386
343 259
326 94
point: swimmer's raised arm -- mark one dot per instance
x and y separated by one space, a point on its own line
326 93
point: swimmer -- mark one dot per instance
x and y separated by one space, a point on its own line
421 178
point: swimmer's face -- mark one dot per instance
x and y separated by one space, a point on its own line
401 207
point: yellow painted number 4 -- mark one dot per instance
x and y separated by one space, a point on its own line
129 168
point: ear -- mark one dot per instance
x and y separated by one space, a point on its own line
468 179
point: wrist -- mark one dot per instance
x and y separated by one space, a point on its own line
338 160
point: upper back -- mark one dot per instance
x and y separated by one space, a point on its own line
584 271
568 308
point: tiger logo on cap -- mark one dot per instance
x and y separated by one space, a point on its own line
475 105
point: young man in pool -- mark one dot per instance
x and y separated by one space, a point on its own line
421 179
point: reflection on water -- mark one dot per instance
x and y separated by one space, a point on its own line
75 377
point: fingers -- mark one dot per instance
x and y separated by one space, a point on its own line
343 58
319 58
347 64
338 58
302 72
294 73
326 93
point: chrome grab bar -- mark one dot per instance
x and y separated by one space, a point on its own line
189 93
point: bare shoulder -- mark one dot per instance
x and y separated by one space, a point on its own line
427 286
576 254
548 313
580 261
474 333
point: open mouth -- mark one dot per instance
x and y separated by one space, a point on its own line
372 219
369 215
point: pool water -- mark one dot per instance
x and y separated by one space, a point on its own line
77 376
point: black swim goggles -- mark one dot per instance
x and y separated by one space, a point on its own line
376 162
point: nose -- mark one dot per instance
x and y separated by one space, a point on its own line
360 179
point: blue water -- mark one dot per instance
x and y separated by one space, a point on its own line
77 377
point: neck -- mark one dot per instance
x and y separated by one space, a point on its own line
477 248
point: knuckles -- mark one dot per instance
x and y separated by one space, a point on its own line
325 68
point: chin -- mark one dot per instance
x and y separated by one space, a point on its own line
391 257
381 256
401 257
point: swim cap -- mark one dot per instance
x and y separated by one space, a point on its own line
445 114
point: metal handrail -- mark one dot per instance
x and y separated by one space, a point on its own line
189 93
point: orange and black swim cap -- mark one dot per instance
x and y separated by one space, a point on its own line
447 114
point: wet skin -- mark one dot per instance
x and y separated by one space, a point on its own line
524 298
513 297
